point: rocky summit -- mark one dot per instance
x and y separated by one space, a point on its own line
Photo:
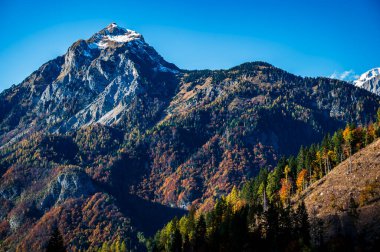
110 139
370 81
97 80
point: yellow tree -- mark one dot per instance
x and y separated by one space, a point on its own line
331 155
348 139
123 247
318 163
301 178
370 133
233 197
286 171
234 200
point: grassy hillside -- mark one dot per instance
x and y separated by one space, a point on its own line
347 202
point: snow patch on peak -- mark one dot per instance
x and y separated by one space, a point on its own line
113 34
130 35
367 76
370 81
112 25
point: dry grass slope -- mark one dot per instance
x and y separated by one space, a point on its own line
329 198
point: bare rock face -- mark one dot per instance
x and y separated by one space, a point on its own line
70 184
370 81
95 81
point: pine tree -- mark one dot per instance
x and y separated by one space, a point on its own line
105 247
338 143
348 138
175 243
123 247
377 125
316 230
115 246
301 159
352 208
273 184
233 197
55 243
200 234
302 226
271 226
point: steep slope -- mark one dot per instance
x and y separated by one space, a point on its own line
349 202
101 79
56 181
101 141
370 81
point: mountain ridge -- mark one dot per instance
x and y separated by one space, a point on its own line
84 88
142 137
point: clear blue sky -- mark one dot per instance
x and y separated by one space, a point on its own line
305 37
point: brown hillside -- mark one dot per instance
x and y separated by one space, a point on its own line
329 198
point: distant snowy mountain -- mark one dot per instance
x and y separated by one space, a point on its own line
370 81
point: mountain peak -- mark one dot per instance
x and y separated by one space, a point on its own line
113 34
370 80
370 74
114 29
112 25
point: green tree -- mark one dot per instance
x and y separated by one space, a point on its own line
233 197
301 224
55 243
105 247
273 184
377 124
200 234
338 142
171 237
301 159
123 247
353 208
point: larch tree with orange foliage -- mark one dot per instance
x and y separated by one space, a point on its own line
301 179
286 188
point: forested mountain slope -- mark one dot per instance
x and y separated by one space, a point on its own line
269 212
